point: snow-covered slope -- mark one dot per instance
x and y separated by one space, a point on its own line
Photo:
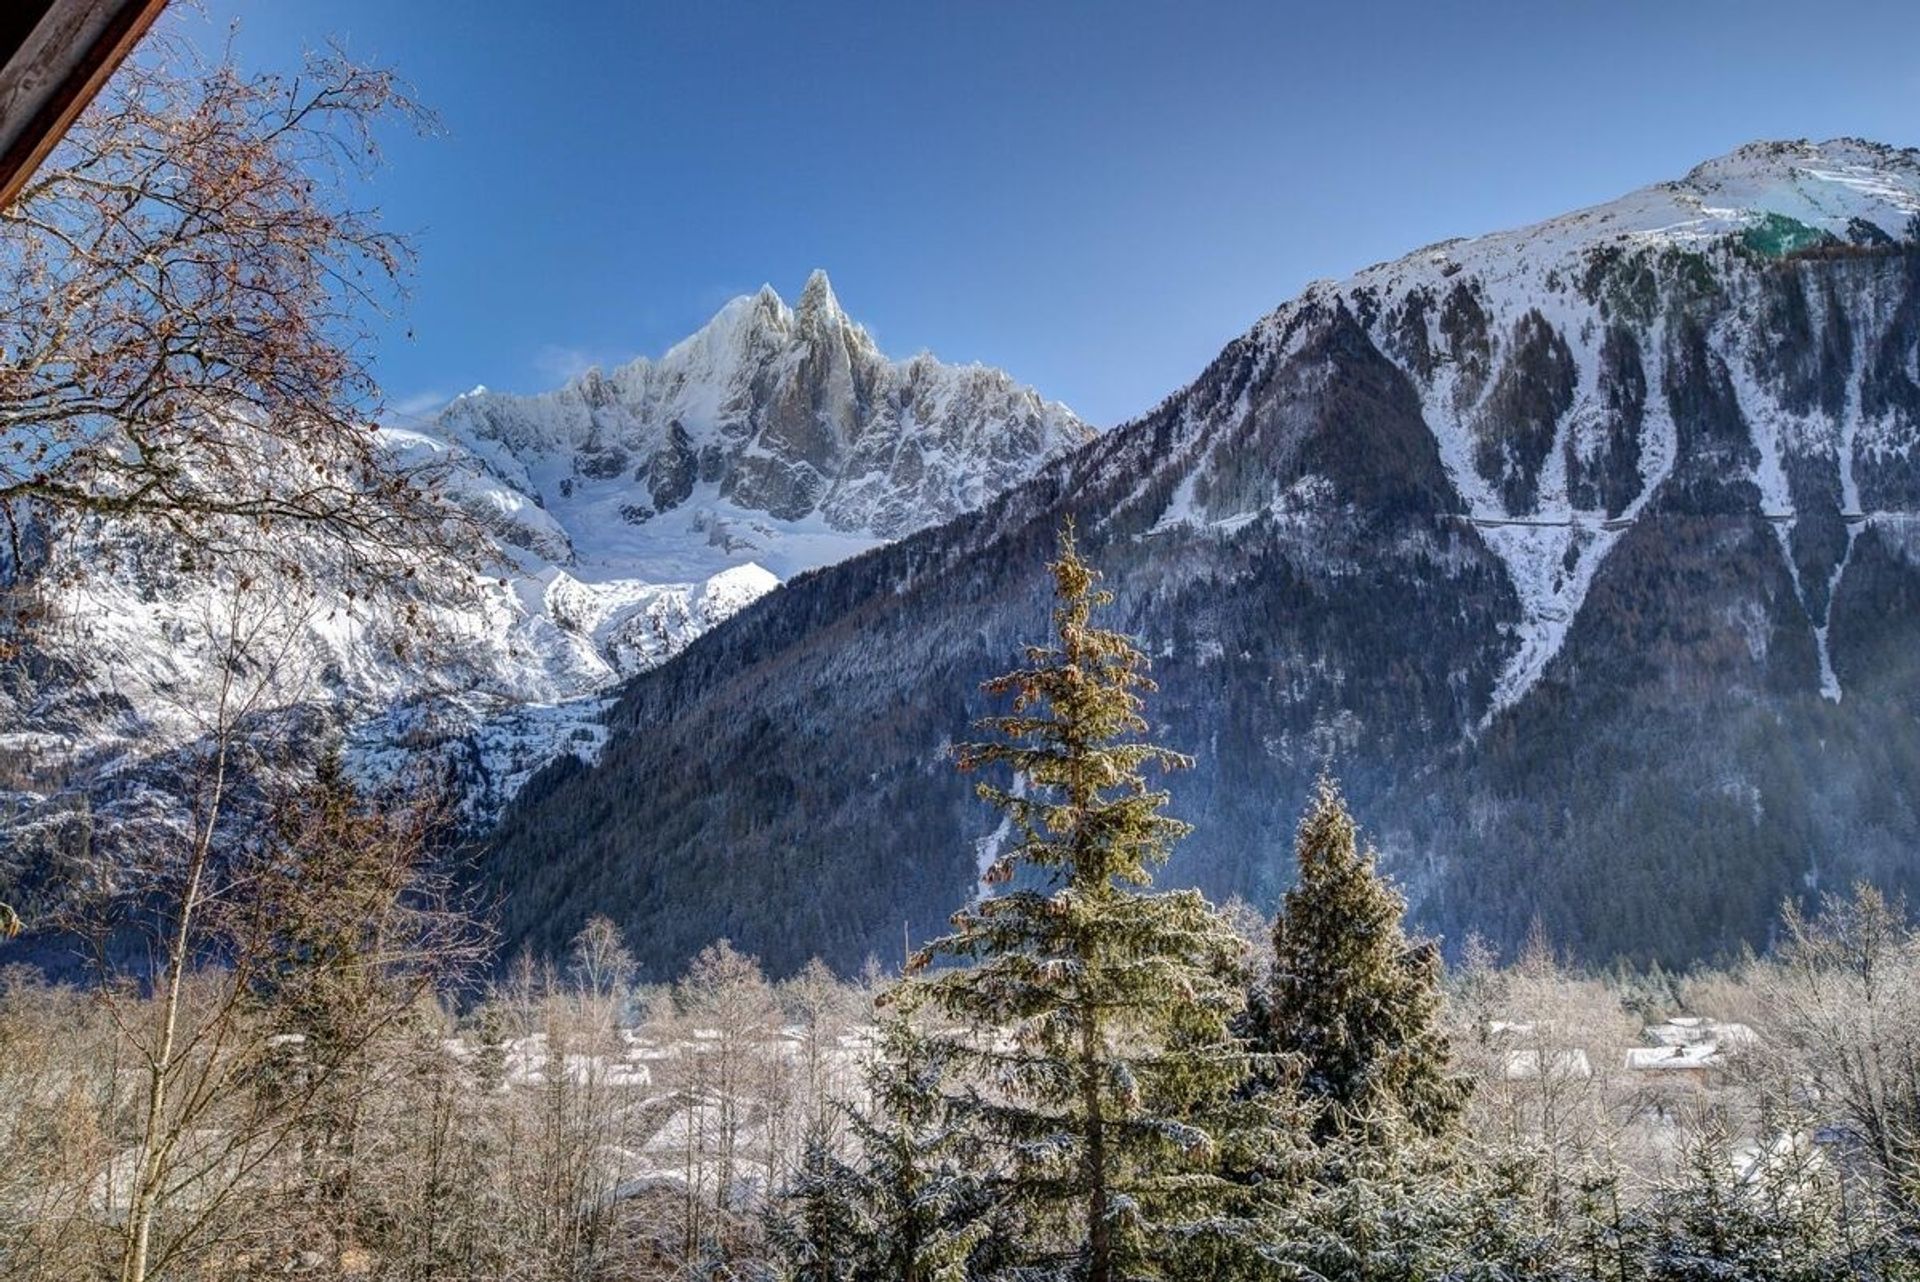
1534 352
632 511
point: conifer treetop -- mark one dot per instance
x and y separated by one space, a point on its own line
1089 1020
1354 998
1068 734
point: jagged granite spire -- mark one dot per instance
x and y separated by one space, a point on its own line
793 413
817 298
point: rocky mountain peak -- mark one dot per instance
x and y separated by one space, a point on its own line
765 414
634 508
1832 181
817 299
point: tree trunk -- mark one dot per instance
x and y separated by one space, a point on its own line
1099 1231
143 1204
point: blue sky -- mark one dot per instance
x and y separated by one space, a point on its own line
1093 196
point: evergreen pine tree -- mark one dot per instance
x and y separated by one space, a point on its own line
1503 1233
490 1060
1606 1237
1387 1203
1765 1218
1095 1016
908 1207
815 1229
1351 999
927 1210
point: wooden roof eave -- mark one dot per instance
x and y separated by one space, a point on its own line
54 57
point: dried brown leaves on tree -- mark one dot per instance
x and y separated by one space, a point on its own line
188 286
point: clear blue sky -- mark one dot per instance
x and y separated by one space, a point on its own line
1094 196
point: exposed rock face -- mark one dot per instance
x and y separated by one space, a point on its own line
788 412
1586 553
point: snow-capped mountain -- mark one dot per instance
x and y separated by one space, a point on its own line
1586 553
1534 351
780 430
640 506
631 510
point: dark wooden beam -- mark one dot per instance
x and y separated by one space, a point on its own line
57 54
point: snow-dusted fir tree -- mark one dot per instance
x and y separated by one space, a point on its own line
1094 1016
1385 1202
1770 1213
910 1205
1351 997
814 1229
490 1060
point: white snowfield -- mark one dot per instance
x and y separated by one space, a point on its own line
631 512
1845 188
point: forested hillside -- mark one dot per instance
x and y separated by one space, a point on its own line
1585 553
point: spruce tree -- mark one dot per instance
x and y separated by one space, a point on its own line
908 1205
1606 1236
814 1229
928 1212
1768 1218
490 1061
1352 1001
1095 1017
1386 1203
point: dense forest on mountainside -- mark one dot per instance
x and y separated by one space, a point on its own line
1636 685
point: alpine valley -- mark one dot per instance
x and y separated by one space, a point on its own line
628 512
1586 555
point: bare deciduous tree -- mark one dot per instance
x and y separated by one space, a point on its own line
185 293
603 968
730 1011
248 977
1843 1000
